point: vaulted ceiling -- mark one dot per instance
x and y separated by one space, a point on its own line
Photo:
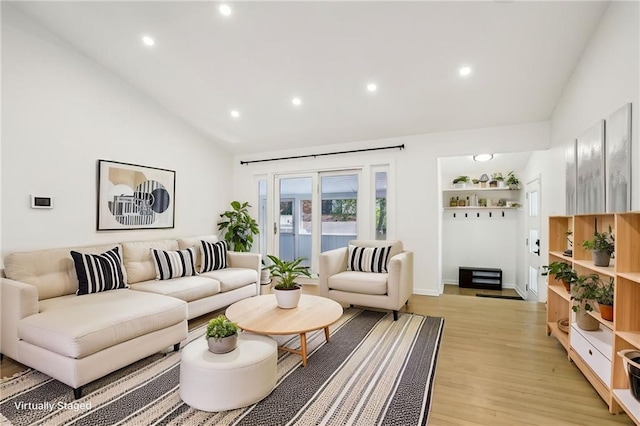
203 65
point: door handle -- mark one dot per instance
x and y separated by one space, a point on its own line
275 228
537 244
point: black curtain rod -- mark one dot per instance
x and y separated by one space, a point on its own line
400 147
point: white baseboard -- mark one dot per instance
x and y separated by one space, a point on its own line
455 282
426 292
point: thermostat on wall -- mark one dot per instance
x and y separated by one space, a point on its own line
41 202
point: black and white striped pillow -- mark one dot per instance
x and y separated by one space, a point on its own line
98 272
174 264
368 259
214 255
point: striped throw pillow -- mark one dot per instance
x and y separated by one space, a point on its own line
174 264
368 259
98 272
214 255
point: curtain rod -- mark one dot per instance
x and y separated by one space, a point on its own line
400 147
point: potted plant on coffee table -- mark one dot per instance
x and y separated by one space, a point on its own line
562 272
604 298
584 292
602 247
287 291
221 335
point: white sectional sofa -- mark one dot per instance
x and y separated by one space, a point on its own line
78 339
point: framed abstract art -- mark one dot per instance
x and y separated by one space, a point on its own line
131 196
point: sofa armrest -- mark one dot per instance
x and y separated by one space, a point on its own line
18 300
400 278
237 259
331 263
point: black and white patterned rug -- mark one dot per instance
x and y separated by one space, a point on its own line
373 371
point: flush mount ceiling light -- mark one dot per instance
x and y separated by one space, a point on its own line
482 157
464 71
148 41
372 87
296 101
235 113
225 10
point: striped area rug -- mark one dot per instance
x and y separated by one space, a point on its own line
373 371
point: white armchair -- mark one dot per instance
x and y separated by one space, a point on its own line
377 290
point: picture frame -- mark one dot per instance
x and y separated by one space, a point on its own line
618 160
131 196
590 180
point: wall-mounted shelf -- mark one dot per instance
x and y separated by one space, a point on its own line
475 188
625 328
480 208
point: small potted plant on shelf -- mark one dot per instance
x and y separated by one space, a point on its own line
512 181
287 291
238 226
460 181
604 298
483 180
562 272
221 335
497 180
584 292
602 247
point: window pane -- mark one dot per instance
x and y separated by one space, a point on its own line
339 210
381 205
262 216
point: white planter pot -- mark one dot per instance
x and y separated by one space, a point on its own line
287 299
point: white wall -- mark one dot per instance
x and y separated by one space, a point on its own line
605 78
60 114
418 214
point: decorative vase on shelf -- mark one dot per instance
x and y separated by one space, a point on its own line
600 257
585 321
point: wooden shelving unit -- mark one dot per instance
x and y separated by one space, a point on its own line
625 271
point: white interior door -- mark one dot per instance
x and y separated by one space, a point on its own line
533 258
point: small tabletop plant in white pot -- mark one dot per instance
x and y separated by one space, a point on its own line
221 335
287 291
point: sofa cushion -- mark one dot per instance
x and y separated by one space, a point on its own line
232 278
98 272
174 264
187 288
359 282
368 259
137 258
214 255
184 243
51 271
80 326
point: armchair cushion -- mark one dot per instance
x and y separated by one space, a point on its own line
368 259
359 282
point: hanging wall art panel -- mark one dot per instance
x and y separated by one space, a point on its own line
134 197
590 187
570 176
618 160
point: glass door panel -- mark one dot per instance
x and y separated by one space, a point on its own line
339 216
294 221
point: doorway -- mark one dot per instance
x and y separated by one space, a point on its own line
533 258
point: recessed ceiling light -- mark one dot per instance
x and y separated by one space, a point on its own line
482 157
372 87
296 101
235 113
465 71
225 9
148 41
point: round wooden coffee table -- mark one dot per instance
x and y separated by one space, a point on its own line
261 314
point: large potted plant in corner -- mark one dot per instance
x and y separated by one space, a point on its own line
604 297
287 291
238 226
221 335
562 272
602 247
584 292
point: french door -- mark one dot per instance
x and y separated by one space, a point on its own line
315 212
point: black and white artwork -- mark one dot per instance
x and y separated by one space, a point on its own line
570 176
590 187
618 160
134 197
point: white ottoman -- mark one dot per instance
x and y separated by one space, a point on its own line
219 382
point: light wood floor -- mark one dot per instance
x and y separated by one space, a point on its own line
496 366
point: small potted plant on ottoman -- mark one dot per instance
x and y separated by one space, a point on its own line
222 335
